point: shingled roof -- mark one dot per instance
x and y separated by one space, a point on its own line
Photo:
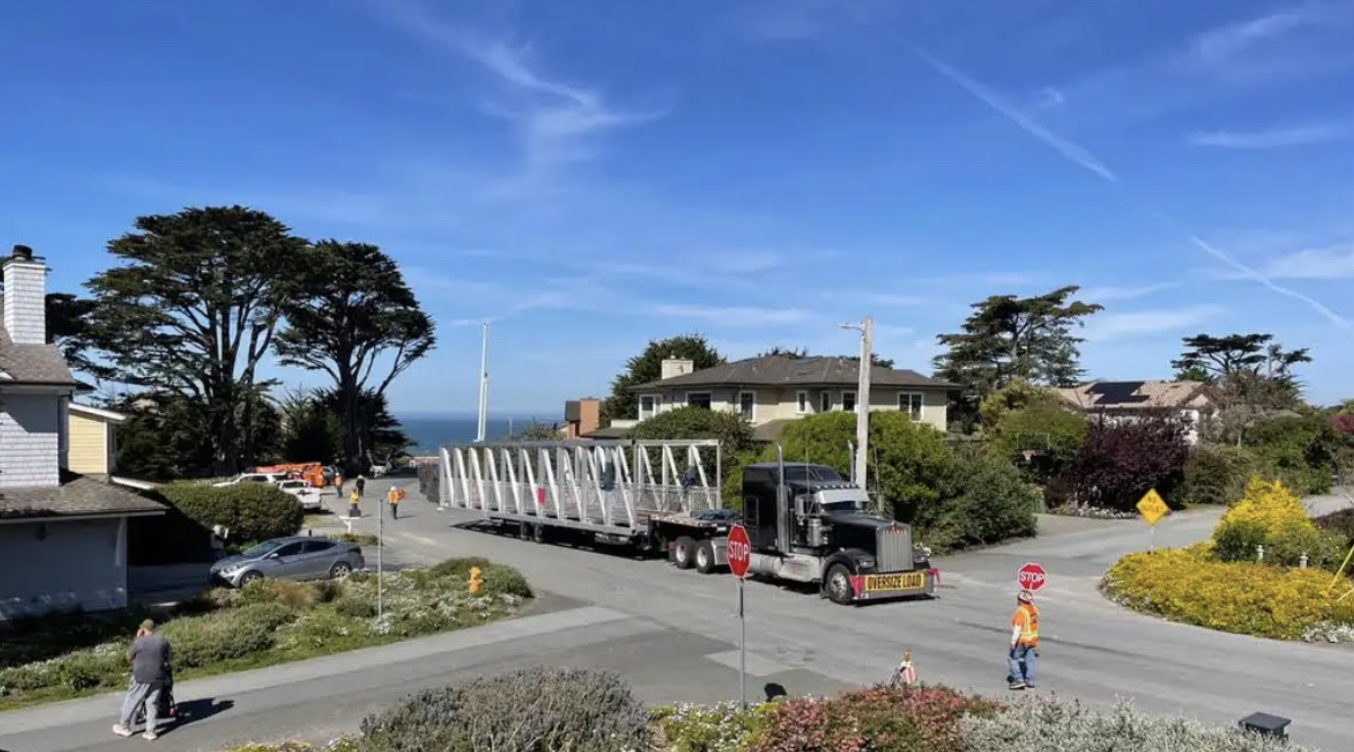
78 495
1129 395
31 364
788 371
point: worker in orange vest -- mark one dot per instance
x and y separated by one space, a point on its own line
393 497
1024 642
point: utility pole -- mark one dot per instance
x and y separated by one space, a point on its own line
866 330
482 430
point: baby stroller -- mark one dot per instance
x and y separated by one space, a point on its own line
168 709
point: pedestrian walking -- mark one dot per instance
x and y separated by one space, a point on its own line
150 659
393 497
1024 642
353 511
361 484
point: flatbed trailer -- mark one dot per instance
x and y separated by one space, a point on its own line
664 498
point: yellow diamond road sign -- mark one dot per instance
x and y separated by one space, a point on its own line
1152 507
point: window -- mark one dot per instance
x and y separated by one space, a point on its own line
747 405
698 399
318 546
801 402
910 402
848 401
825 402
646 406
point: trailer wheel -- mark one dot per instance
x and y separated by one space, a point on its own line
838 585
524 531
683 553
538 533
705 557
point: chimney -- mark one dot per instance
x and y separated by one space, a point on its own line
676 367
26 297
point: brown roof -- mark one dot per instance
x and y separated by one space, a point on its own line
610 432
784 370
77 495
1128 395
31 364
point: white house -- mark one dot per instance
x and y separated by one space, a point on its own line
63 535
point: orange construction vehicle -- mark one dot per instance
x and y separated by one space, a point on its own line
310 472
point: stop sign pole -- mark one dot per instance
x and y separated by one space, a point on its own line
740 557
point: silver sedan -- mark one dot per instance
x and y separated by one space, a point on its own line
292 558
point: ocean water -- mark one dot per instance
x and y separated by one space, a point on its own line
429 432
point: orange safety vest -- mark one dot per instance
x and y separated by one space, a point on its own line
1027 618
394 495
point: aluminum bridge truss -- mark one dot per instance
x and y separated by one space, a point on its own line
609 485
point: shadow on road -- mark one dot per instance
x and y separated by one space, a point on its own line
191 711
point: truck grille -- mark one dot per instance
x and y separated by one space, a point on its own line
894 548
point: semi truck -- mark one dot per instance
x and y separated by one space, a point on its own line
805 522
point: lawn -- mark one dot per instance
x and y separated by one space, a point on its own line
64 656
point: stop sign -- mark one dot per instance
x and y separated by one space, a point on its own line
1032 577
740 551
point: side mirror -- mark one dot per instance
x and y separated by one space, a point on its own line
274 555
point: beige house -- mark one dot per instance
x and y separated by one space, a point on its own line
1122 400
93 439
773 390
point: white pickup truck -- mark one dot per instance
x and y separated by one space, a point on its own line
308 495
252 478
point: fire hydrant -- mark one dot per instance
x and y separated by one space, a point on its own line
476 580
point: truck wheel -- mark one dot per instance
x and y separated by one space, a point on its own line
683 552
523 531
538 533
838 585
705 557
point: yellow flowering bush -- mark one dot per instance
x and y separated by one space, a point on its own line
1189 585
1271 515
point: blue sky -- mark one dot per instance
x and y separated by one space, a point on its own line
593 174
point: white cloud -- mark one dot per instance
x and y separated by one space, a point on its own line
734 316
1088 161
554 119
1271 139
1223 44
1334 262
1067 149
1117 326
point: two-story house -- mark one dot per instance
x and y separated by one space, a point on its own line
63 535
773 390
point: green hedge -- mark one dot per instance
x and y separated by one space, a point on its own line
250 511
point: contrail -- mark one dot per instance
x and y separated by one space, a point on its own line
1086 160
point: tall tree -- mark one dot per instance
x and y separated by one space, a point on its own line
68 328
311 432
194 309
1251 375
379 435
648 366
355 319
1008 338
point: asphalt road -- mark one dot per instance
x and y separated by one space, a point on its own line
675 635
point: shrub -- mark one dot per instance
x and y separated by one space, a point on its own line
984 501
712 728
499 579
1297 449
1038 725
533 709
1121 460
232 633
1341 523
907 460
1216 474
1188 585
250 511
925 719
1269 514
734 435
1046 426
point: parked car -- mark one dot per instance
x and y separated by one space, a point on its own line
252 478
308 495
292 558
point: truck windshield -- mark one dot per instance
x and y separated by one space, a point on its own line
854 505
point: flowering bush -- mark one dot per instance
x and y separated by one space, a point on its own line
925 719
1037 725
1190 586
1269 514
712 728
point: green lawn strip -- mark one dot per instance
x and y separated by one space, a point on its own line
266 624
